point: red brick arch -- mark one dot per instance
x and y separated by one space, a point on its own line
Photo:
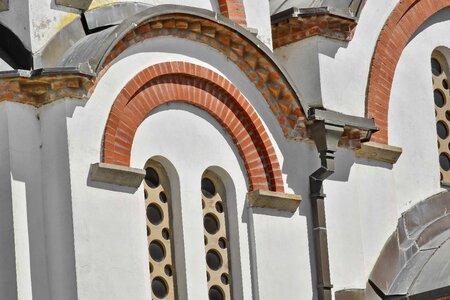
203 88
233 10
404 20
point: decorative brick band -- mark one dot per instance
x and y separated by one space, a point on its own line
205 89
404 20
299 28
44 89
233 10
251 60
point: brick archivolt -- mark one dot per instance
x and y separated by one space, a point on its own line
402 23
203 88
251 60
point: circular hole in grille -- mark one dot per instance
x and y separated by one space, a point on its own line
151 177
215 293
157 252
439 98
219 207
208 188
222 243
436 67
168 270
213 260
211 224
444 161
154 214
165 233
163 197
159 287
224 278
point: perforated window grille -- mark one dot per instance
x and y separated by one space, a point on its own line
159 231
439 68
218 268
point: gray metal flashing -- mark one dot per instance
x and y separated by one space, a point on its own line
81 70
414 262
298 12
113 14
341 120
96 56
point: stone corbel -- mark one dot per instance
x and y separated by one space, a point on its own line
274 200
376 151
118 175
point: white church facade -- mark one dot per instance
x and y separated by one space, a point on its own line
224 149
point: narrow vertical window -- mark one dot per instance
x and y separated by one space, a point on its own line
216 237
441 96
159 231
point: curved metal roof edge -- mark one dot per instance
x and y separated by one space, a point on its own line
99 56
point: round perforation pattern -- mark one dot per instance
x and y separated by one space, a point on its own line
159 229
216 237
441 94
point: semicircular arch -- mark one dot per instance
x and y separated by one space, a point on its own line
205 89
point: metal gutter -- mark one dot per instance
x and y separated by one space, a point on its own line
297 12
81 70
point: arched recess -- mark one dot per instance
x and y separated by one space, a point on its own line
401 25
203 88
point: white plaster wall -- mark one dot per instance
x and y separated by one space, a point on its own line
362 210
304 63
24 144
258 16
346 74
57 198
9 277
109 225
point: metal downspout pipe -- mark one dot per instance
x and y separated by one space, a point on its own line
326 137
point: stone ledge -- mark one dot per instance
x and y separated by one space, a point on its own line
4 5
274 200
119 175
381 152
